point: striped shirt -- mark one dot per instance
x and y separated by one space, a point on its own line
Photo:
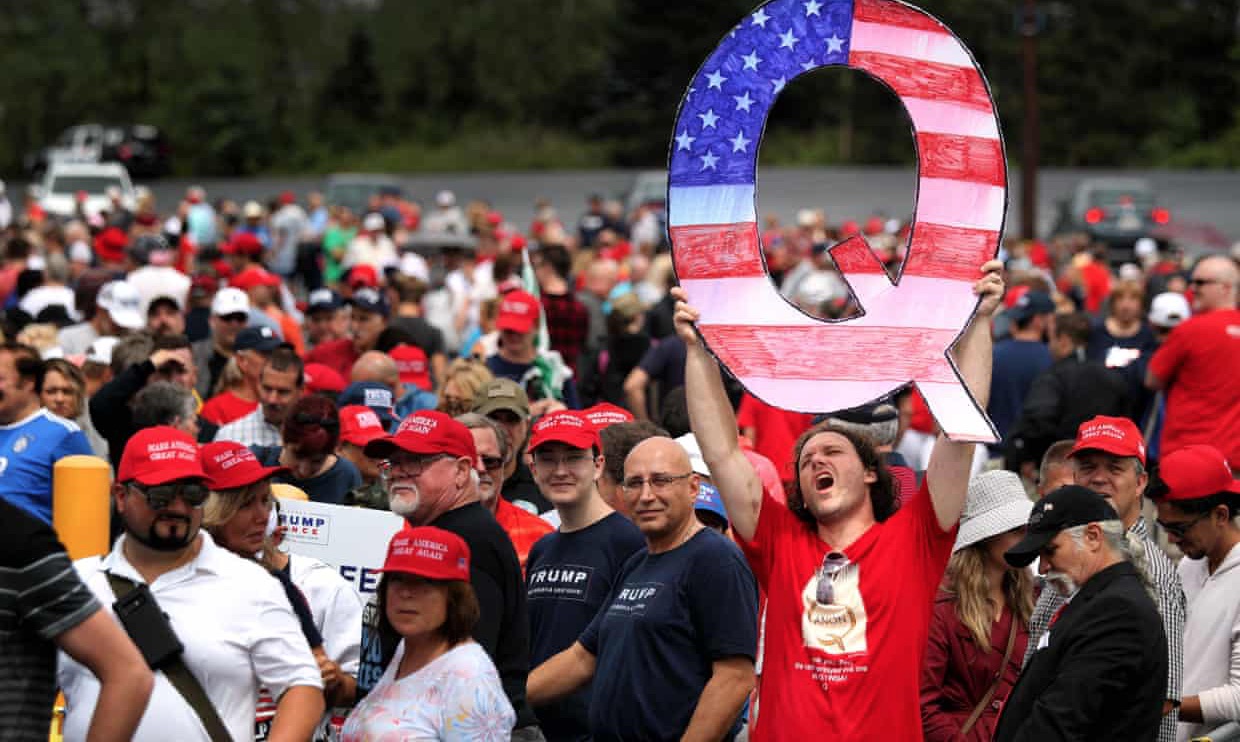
1169 595
41 598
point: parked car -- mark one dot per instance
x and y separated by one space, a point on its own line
64 183
354 190
1116 211
141 148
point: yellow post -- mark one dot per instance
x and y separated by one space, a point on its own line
81 509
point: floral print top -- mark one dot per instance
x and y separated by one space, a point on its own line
457 697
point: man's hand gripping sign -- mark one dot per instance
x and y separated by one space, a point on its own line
783 356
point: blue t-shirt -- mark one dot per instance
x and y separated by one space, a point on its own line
669 618
568 578
28 450
525 373
1016 364
665 362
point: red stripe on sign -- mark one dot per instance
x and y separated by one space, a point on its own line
956 157
853 256
895 14
833 351
940 251
717 251
911 78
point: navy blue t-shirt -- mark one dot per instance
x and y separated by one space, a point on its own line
568 578
530 379
330 487
665 362
670 617
1016 364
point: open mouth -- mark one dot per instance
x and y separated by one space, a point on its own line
824 481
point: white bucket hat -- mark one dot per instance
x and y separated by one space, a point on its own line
996 503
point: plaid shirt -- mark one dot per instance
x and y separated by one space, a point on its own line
568 324
251 430
1171 606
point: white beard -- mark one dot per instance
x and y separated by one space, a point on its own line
404 499
1061 582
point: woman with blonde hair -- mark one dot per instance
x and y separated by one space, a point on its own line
980 625
465 376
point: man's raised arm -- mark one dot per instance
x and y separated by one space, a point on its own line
947 474
714 424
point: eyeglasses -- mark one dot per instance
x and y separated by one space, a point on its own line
659 483
1179 529
832 564
412 466
492 463
570 460
160 496
1194 283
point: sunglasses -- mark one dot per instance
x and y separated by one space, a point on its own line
160 496
832 564
1180 529
1197 282
492 463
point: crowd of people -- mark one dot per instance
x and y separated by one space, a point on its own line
605 537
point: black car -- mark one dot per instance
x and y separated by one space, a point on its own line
141 148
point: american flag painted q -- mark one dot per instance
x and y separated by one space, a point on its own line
783 356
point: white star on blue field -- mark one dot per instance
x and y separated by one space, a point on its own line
722 115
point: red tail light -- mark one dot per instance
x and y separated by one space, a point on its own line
125 152
1160 216
1094 215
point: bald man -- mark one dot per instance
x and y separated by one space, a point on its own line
1197 365
671 655
377 367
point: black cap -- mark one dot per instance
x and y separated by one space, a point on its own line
1066 507
370 300
321 300
1031 304
262 339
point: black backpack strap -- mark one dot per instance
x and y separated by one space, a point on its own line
180 676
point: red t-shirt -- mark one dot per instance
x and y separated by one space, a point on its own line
225 407
1200 362
523 528
850 669
775 431
338 355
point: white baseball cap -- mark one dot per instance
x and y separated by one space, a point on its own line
100 351
230 300
445 199
373 222
123 303
1169 309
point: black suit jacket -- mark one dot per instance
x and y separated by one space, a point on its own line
1103 672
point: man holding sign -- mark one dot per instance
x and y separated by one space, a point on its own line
849 575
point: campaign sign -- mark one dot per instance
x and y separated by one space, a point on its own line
783 356
353 540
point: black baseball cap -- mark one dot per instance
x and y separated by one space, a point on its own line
262 339
1066 507
321 300
370 300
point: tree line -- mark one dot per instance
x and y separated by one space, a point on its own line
245 86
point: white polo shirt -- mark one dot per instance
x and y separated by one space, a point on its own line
238 630
336 607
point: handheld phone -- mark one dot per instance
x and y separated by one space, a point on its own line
148 627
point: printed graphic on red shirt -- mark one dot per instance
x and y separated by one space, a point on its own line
836 626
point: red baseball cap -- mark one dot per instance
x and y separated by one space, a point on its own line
110 245
604 414
518 312
426 432
160 455
565 426
287 197
254 276
323 378
1196 471
430 552
411 362
244 243
1114 435
360 425
363 275
229 465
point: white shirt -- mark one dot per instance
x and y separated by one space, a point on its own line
1212 640
238 630
336 607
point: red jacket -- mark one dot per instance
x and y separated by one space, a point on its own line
957 674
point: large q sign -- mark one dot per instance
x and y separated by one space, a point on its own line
782 355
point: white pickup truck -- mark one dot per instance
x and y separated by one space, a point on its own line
58 194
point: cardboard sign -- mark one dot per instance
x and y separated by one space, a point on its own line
353 540
782 355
